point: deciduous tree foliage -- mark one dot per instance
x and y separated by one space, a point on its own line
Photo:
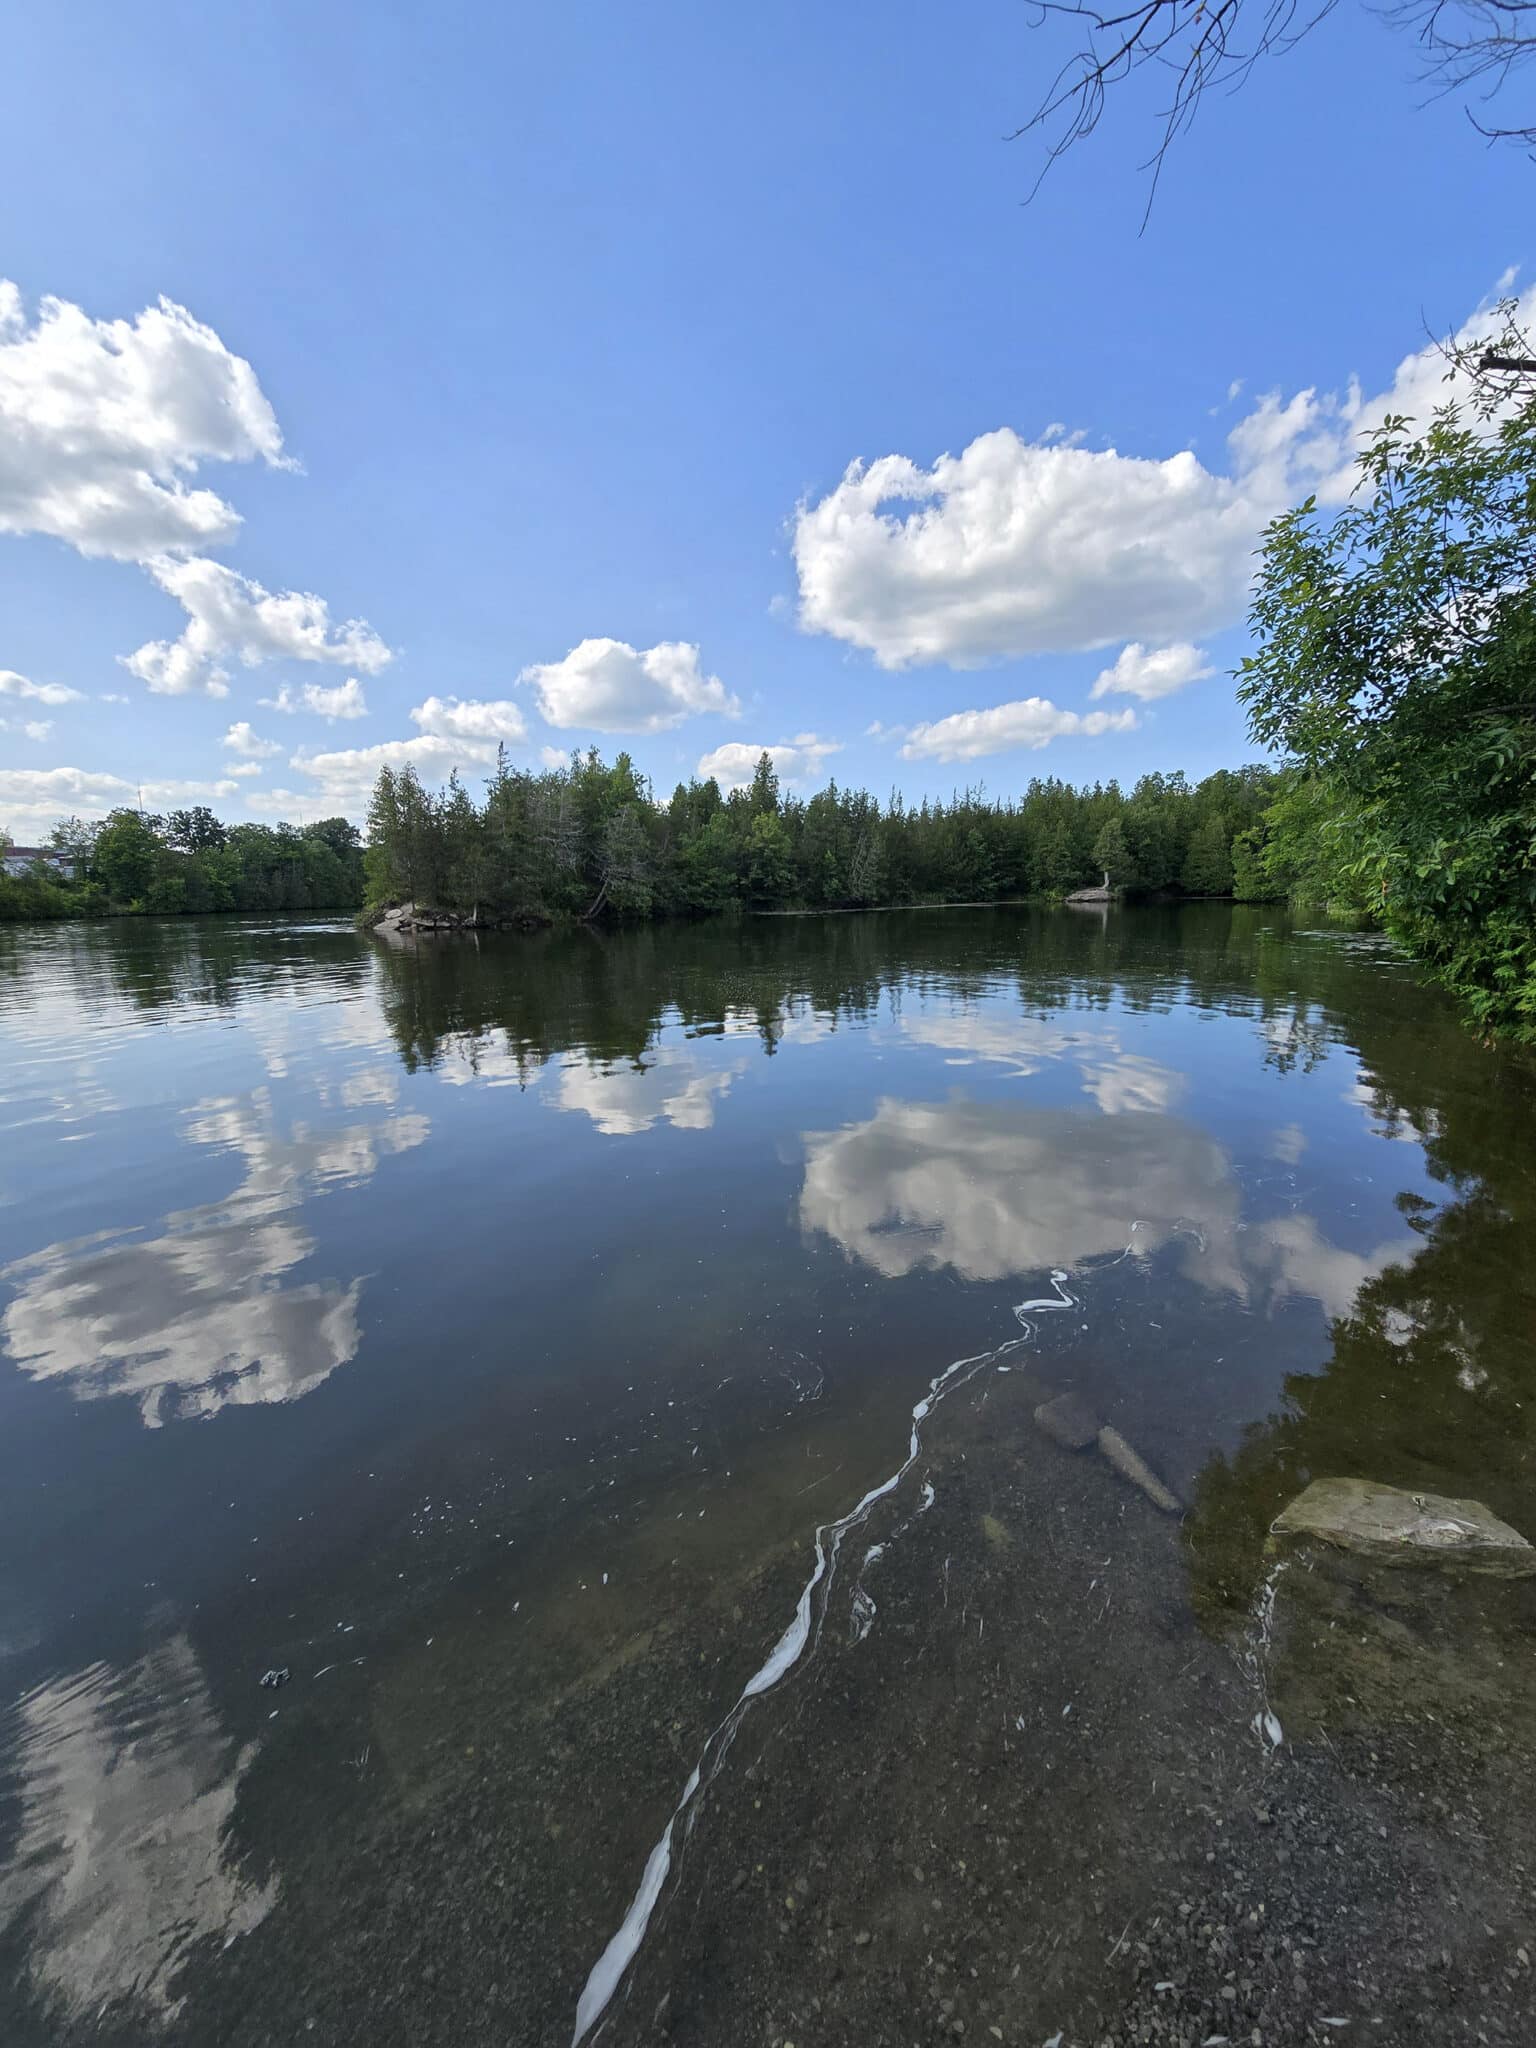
1396 665
190 861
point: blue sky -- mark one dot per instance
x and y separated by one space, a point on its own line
562 330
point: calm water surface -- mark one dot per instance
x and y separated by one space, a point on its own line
379 1314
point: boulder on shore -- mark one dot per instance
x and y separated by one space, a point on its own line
1389 1526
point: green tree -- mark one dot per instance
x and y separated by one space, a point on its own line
1207 867
1112 857
1396 664
125 856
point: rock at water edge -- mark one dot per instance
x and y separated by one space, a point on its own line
1393 1527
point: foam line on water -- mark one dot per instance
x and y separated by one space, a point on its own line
609 1970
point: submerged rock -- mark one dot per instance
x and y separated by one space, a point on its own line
1131 1465
1393 1527
1068 1421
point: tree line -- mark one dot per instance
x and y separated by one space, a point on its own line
590 840
190 861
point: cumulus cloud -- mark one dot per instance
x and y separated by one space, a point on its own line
103 426
1016 547
473 718
609 686
245 768
554 757
344 778
13 685
341 700
796 760
248 745
103 423
1152 672
37 728
1026 722
37 798
228 615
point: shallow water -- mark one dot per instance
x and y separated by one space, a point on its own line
436 1324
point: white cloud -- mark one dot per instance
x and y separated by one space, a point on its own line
229 615
245 768
344 778
1027 722
1152 672
343 700
103 422
248 745
609 686
113 697
554 757
473 718
796 760
13 685
186 792
37 728
37 798
1018 547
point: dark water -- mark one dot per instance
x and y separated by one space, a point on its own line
421 1321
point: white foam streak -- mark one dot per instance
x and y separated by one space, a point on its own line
608 1973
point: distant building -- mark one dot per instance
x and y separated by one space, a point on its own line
17 860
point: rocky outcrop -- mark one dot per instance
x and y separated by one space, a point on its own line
1388 1526
406 920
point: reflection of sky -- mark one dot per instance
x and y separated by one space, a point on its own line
673 1085
200 1316
993 1191
1023 1046
126 1788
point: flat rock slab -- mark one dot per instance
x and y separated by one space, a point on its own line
1393 1527
1068 1421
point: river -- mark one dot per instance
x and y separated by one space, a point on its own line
472 1338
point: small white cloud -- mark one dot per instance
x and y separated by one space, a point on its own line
344 778
37 728
472 718
229 615
344 700
249 745
609 686
796 760
13 685
1026 722
1152 672
554 757
114 697
245 768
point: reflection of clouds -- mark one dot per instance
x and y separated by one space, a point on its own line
1129 1082
1299 1260
126 1788
994 1190
188 1323
1117 1081
199 1318
1385 1118
674 1084
373 1086
1287 1144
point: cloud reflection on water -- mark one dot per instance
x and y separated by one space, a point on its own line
199 1317
126 1785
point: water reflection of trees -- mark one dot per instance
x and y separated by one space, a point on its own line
610 994
1431 1381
